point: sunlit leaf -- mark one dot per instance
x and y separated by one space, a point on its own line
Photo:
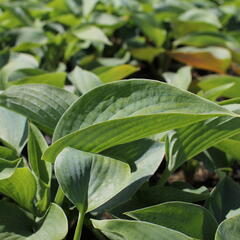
210 58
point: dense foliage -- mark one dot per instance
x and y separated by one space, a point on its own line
85 154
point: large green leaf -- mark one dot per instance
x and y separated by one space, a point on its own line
127 111
89 180
229 229
192 220
43 104
224 198
13 129
132 230
21 187
17 224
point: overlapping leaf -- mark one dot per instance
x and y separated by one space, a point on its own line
124 113
43 104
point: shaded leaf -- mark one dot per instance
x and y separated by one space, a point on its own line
192 220
224 198
17 224
43 170
89 180
16 136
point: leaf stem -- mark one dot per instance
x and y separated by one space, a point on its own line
166 174
78 230
59 196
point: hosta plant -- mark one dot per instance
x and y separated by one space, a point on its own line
119 120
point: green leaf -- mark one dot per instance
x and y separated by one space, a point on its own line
17 61
7 168
130 230
17 224
127 111
84 80
91 33
117 73
25 73
230 146
187 142
21 187
224 198
42 169
181 79
229 229
54 79
30 35
151 29
8 153
43 104
157 194
217 92
200 15
205 39
13 129
144 156
146 53
215 59
88 6
54 226
196 20
213 81
89 180
190 219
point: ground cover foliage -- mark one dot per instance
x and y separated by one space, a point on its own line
120 120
